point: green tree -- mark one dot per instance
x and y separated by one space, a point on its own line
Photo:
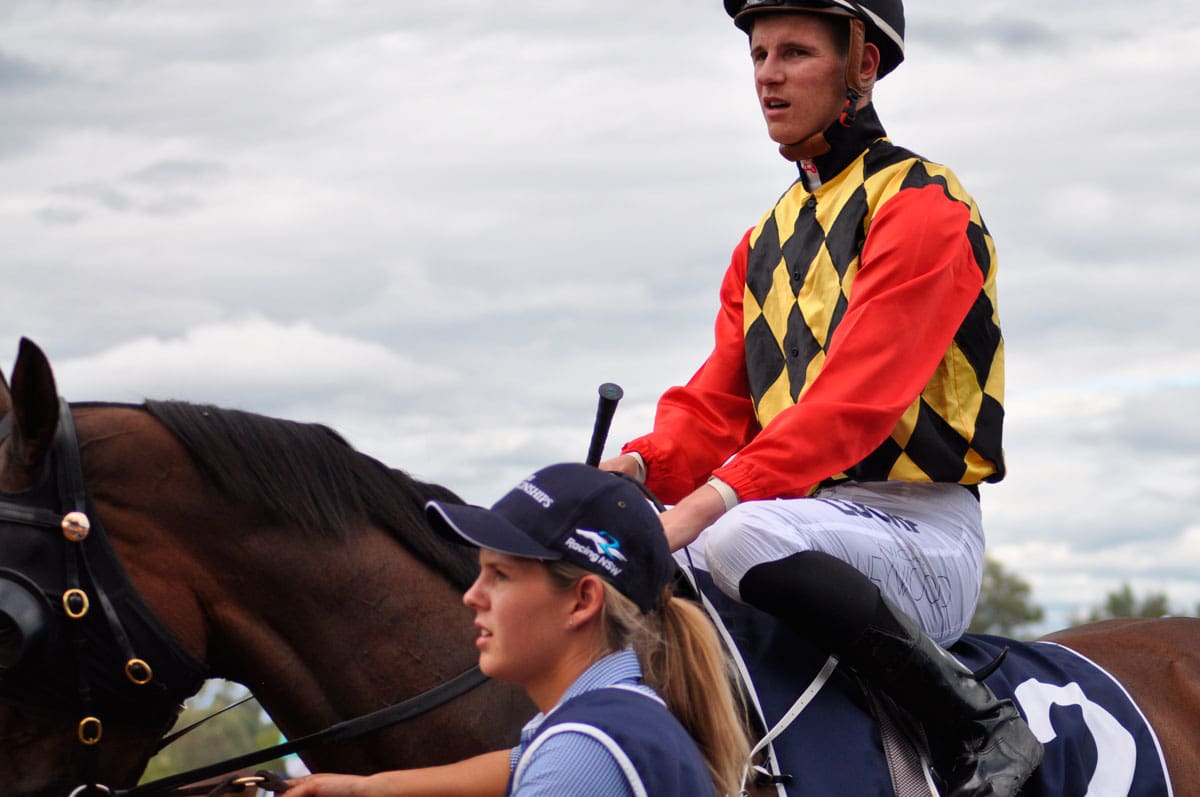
240 730
1004 602
1123 603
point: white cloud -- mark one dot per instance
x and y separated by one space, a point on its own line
438 228
245 362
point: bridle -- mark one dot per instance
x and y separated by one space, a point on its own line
81 641
77 639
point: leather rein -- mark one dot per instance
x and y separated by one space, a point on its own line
340 732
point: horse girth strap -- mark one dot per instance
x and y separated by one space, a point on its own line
340 732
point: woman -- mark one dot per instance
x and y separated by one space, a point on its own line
573 603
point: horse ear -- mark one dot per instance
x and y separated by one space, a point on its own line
5 395
34 402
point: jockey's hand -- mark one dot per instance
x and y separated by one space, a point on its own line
622 464
683 522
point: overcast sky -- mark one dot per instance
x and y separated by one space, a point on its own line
438 227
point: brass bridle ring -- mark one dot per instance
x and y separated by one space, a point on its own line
138 671
90 730
67 597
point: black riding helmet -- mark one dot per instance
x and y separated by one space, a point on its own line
882 19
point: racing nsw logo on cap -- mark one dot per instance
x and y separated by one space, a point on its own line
605 548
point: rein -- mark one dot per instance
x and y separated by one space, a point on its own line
339 732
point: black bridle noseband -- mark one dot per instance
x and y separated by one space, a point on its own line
77 639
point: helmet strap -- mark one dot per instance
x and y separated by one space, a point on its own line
850 111
854 57
855 89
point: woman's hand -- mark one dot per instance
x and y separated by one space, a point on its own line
326 785
482 776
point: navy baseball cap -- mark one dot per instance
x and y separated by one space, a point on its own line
574 512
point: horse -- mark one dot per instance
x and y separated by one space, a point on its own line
273 554
291 564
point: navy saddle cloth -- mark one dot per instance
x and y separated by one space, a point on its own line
1097 742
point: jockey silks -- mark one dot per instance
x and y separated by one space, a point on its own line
804 258
857 338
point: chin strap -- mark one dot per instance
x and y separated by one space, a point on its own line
850 112
818 143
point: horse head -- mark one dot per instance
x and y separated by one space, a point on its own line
230 545
69 715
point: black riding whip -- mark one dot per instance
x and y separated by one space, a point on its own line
610 394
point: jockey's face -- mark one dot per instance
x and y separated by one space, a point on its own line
799 73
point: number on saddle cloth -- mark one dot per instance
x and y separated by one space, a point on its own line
1097 741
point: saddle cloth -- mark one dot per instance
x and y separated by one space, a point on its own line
1096 739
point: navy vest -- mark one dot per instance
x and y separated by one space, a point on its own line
658 756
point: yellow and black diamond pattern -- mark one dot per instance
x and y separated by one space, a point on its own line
803 257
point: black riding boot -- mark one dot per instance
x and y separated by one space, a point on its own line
980 745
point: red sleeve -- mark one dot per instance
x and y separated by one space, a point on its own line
916 282
699 426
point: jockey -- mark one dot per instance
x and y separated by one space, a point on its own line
828 453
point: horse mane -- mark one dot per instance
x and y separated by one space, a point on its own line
308 474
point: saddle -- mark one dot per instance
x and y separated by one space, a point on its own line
842 738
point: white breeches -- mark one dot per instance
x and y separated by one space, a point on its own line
922 544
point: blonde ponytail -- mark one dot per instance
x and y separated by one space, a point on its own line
690 670
682 659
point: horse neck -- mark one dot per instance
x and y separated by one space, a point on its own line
352 623
325 632
319 628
